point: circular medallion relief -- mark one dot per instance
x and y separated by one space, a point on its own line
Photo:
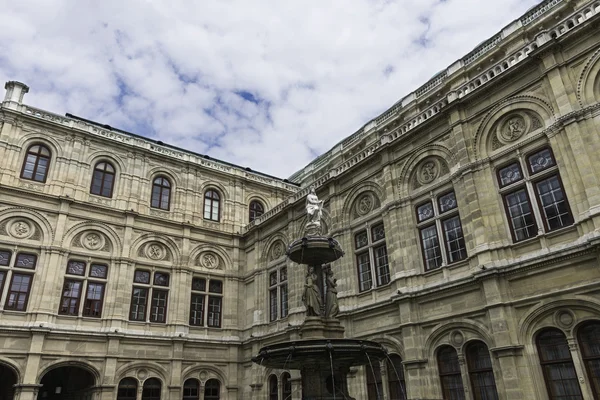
564 318
209 260
20 229
155 251
142 374
428 172
203 375
457 338
365 204
277 251
92 240
513 128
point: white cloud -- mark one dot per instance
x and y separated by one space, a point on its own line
183 71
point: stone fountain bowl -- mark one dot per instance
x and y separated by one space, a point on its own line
314 250
316 353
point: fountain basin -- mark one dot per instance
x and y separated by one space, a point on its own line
314 250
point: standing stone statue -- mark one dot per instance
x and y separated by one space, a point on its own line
314 212
332 307
312 295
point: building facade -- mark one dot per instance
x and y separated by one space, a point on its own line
469 213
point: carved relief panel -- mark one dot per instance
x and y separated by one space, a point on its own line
513 127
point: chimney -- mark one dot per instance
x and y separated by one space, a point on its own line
15 92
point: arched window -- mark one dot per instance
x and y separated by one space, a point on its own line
37 161
103 179
127 389
287 386
273 389
191 389
212 203
557 364
151 390
481 372
161 193
396 382
374 385
452 385
212 390
256 210
589 342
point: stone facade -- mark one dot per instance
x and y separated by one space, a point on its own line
516 117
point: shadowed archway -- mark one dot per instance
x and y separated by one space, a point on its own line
8 379
67 383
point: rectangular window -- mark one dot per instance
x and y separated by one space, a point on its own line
431 248
26 261
197 310
214 311
5 258
364 271
273 304
2 279
158 312
92 307
69 302
554 206
455 242
278 301
284 300
381 265
522 220
18 293
76 268
139 299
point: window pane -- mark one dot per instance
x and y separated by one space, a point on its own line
5 257
212 390
554 205
283 274
139 299
589 342
70 298
214 311
97 182
158 312
29 166
164 198
284 300
378 233
431 248
424 212
481 372
92 307
273 304
396 382
521 218
199 284
447 202
510 174
161 279
76 267
455 242
98 271
141 276
42 168
2 279
215 286
191 390
557 364
156 196
364 272
18 292
26 261
273 278
449 369
540 161
381 265
361 239
197 310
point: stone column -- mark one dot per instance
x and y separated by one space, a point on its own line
256 389
26 392
296 381
464 373
385 383
579 368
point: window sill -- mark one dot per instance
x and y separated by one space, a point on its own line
375 289
441 268
560 231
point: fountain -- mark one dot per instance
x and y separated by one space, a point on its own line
323 356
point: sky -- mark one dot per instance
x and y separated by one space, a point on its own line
264 84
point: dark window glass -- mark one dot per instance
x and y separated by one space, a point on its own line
127 389
455 242
214 311
18 292
2 279
139 299
430 244
382 268
287 386
377 232
158 312
212 390
284 300
36 163
361 239
98 271
283 274
151 389
5 257
273 278
69 302
273 304
141 276
396 382
449 368
197 310
27 261
589 342
161 279
557 364
521 217
425 212
510 174
161 193
540 161
555 210
374 384
103 179
212 204
191 389
199 284
447 202
364 272
215 286
273 389
76 268
92 306
481 372
256 210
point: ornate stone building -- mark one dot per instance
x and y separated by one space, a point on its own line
469 213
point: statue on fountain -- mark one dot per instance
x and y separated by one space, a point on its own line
312 295
332 307
314 213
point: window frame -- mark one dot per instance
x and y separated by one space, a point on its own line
207 295
278 289
104 173
369 249
9 270
209 196
86 279
587 358
161 186
441 374
252 213
150 287
473 371
37 155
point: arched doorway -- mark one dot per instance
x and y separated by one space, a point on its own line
66 383
8 379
